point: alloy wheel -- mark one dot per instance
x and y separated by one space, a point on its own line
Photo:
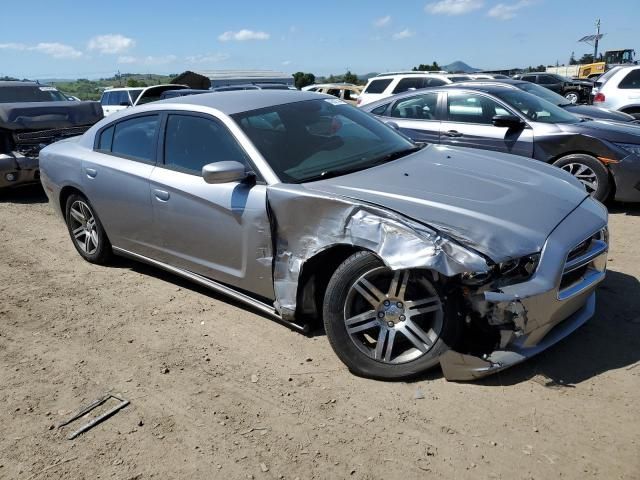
583 173
393 317
572 97
83 227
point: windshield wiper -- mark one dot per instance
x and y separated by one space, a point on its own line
396 155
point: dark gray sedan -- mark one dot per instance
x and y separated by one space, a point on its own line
308 209
603 155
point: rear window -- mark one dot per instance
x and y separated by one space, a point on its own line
378 86
135 138
632 80
31 94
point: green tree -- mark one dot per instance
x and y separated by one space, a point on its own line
350 78
586 58
434 67
302 79
132 82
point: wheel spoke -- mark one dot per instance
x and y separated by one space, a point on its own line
384 346
413 339
78 232
77 215
592 186
382 337
403 284
94 238
421 334
369 291
363 326
86 243
361 318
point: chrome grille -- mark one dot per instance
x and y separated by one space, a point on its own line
49 135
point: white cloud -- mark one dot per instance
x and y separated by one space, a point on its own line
53 49
243 35
406 33
453 7
111 43
503 11
382 21
148 60
207 58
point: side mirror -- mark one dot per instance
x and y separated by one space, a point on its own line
509 121
224 172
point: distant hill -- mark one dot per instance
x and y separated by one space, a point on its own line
460 66
367 76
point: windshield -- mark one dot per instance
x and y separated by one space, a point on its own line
542 92
30 94
323 138
535 108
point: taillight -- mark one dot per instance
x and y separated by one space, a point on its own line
599 97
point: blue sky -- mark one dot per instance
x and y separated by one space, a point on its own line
69 39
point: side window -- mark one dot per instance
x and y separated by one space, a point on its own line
112 98
632 80
407 83
346 95
529 78
106 139
136 138
421 107
380 110
191 142
547 80
134 94
105 98
334 91
378 86
472 108
434 82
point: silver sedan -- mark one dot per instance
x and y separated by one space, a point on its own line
310 210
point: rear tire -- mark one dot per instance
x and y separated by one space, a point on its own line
573 97
86 230
418 327
589 171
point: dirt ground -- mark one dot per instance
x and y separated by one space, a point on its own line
218 391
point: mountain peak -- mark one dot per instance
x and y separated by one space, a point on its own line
459 66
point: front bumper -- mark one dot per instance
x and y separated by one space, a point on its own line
626 175
540 312
16 169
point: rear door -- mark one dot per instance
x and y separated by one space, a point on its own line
417 117
552 83
219 231
116 181
468 122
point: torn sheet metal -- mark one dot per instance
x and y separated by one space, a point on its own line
398 241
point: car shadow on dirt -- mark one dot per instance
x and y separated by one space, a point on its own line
23 195
608 341
631 209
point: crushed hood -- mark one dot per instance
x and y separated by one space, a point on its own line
501 205
48 115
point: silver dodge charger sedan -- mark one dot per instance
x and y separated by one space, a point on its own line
307 209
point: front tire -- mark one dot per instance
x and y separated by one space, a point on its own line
573 97
86 231
385 324
589 171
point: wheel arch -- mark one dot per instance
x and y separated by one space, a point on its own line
314 277
65 193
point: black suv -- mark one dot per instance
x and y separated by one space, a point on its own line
32 116
576 91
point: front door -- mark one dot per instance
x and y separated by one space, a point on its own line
417 117
468 123
220 231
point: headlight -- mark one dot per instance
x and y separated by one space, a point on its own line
630 147
511 271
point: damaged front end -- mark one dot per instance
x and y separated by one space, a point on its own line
523 317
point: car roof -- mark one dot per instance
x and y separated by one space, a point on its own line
409 74
238 101
18 83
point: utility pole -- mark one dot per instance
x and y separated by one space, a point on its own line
595 48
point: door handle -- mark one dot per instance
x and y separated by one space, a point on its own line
161 195
91 172
453 133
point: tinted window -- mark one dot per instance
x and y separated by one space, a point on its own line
134 94
30 94
347 95
529 78
118 98
192 142
459 78
316 139
472 108
334 91
378 86
407 83
421 107
136 138
106 138
380 110
632 80
434 82
547 80
542 92
104 100
536 109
